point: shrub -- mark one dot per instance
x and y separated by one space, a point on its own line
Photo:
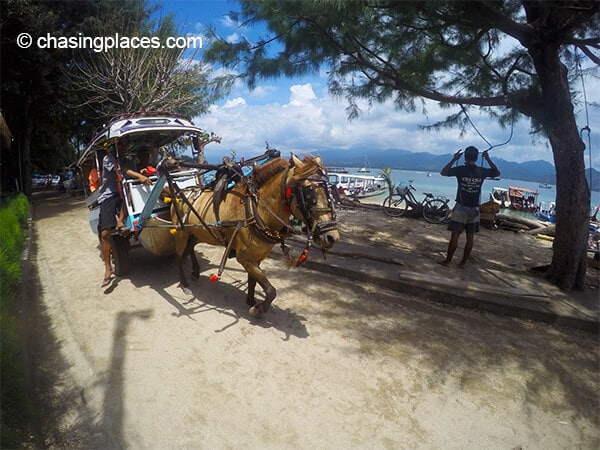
14 409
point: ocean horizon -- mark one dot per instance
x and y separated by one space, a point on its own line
438 185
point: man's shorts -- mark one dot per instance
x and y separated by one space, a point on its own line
464 218
109 208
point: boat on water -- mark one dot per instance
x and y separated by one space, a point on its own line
499 195
546 211
545 186
522 199
357 186
337 170
366 168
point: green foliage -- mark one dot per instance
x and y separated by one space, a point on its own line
20 206
50 118
11 242
449 51
121 80
386 174
15 411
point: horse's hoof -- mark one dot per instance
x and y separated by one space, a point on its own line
254 311
185 290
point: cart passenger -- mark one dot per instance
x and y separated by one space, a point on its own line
110 199
145 164
95 176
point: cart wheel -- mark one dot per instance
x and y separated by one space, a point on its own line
120 255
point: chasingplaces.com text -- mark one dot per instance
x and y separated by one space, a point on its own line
104 43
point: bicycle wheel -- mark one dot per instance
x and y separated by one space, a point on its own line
394 205
435 210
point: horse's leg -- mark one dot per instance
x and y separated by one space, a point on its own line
189 249
250 301
256 273
181 245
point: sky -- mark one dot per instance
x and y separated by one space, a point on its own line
299 115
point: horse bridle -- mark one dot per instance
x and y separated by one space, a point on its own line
306 199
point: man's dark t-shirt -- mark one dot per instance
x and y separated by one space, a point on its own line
470 179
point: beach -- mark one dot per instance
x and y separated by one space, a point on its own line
436 184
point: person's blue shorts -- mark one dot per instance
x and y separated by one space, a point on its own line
464 218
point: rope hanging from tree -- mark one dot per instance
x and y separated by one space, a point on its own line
490 146
587 115
512 127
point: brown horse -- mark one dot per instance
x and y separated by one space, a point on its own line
254 215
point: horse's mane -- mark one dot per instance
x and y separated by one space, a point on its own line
264 173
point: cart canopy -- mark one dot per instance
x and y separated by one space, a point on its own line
143 130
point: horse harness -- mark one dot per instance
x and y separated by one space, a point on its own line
304 193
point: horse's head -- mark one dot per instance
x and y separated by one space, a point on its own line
309 198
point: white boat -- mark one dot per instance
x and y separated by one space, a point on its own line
366 168
358 186
337 170
500 196
546 211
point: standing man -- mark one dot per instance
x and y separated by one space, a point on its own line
465 215
111 200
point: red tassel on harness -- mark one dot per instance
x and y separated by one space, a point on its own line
303 256
214 278
286 202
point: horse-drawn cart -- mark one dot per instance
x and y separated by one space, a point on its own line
151 138
247 207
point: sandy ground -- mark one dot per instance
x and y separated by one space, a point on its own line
334 364
423 244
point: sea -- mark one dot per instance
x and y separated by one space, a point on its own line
439 185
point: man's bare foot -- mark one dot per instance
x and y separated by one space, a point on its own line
462 264
444 263
107 280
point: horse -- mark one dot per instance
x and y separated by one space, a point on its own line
254 215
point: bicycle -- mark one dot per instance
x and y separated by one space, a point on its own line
434 209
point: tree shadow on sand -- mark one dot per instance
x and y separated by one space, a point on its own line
475 348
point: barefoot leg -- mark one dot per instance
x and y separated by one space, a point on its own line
467 251
452 245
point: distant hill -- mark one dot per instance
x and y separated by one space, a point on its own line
536 171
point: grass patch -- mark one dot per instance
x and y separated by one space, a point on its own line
15 412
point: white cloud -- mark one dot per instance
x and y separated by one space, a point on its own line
310 122
233 38
302 94
228 22
233 103
262 91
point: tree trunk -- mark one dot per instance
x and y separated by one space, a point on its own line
27 170
569 260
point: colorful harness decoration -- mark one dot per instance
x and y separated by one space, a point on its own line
229 174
